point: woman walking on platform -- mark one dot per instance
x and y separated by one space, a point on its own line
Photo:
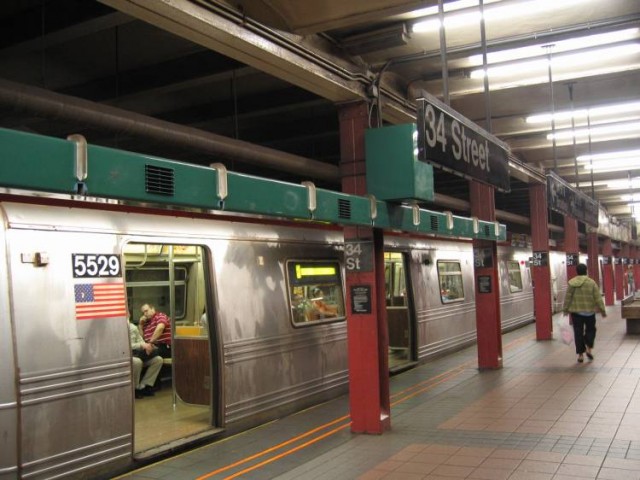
583 300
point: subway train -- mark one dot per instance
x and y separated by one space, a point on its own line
258 322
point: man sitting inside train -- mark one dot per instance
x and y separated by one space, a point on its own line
320 308
144 355
156 329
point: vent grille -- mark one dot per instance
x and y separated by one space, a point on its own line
344 209
435 223
487 230
159 180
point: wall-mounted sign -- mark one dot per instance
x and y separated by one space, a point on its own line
519 240
540 259
360 299
483 257
358 256
454 143
572 259
565 199
484 283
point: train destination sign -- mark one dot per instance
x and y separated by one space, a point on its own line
452 142
565 199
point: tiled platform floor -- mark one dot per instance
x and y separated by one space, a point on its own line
543 416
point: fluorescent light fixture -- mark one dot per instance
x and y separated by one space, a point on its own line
630 198
563 62
584 113
611 131
496 12
614 165
558 46
619 155
629 183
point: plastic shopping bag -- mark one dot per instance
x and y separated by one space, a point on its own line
566 332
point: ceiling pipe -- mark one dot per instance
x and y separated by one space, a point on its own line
55 105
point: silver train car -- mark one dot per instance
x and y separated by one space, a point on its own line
258 325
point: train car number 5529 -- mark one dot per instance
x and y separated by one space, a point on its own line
88 265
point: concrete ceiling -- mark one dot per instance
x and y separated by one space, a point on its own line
273 73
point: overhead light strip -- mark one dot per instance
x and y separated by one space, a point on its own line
582 114
613 130
563 62
629 155
498 11
559 46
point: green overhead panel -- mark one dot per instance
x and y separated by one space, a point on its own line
394 172
37 163
52 159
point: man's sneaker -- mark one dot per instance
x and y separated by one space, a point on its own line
139 392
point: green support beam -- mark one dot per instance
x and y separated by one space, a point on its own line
38 163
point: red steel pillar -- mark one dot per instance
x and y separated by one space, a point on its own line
635 257
593 261
618 275
607 271
367 338
486 278
541 271
624 260
571 245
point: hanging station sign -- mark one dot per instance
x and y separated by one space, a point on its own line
565 199
455 144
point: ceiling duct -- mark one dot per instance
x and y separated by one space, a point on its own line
392 36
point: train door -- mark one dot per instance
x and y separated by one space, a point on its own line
174 280
398 311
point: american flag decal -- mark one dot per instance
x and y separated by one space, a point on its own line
99 300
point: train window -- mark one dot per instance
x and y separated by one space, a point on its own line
515 276
450 279
315 291
394 277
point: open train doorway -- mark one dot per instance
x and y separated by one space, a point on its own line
398 311
172 280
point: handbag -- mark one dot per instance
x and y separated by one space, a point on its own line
566 333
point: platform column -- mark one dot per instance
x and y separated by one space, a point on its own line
540 270
618 275
488 323
607 271
624 261
367 338
571 247
635 255
593 262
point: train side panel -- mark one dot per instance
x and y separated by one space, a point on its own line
516 289
74 374
557 261
443 326
270 366
8 399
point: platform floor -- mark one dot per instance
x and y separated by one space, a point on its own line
542 416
